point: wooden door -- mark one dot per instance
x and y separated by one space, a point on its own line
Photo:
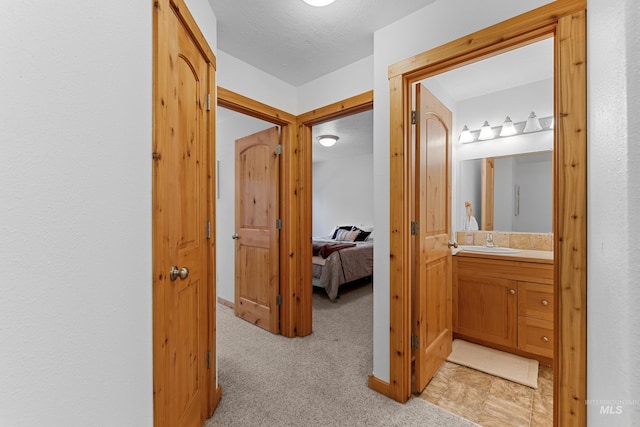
257 250
488 173
432 317
183 338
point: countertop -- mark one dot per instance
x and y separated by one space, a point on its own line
544 257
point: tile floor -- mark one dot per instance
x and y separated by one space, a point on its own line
492 401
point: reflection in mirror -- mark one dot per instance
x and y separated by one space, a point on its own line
509 193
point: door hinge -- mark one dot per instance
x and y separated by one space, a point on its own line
415 342
208 102
208 360
278 299
414 117
279 224
415 228
208 230
279 149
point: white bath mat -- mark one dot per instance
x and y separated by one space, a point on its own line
504 365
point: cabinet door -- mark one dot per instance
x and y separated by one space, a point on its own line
486 308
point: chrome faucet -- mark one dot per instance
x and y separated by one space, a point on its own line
489 242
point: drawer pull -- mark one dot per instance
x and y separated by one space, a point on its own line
545 339
512 291
545 302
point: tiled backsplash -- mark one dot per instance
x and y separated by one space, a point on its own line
508 239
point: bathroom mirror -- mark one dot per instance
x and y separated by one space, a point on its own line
518 192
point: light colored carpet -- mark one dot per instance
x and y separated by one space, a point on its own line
319 380
498 363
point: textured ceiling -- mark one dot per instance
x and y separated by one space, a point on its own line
298 43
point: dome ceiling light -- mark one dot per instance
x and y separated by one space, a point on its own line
327 140
319 3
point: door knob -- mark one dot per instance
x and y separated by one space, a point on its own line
452 244
235 236
176 272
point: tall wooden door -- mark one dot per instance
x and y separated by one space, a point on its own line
488 174
432 315
183 337
257 251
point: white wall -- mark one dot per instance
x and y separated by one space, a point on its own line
343 83
240 77
233 127
75 253
342 193
427 28
613 296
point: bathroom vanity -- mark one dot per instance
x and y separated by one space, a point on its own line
505 301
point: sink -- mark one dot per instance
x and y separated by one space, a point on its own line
488 250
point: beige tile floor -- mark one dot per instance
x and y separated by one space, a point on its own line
489 400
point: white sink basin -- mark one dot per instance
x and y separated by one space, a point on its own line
488 250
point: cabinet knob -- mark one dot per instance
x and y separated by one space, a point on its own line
545 302
512 291
545 339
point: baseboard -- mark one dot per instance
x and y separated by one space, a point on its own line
217 395
378 385
225 302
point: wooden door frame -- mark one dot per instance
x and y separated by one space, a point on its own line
290 244
160 43
353 105
566 20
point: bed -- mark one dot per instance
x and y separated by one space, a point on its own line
337 261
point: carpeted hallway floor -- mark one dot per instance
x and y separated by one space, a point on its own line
320 380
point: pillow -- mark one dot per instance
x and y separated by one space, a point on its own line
338 228
362 235
347 235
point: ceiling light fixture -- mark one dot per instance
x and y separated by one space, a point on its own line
327 140
319 3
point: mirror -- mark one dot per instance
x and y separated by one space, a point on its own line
508 193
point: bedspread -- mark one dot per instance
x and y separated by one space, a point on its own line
343 266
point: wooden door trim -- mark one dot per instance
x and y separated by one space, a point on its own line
289 201
353 105
160 44
565 19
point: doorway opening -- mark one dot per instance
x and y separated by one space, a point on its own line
565 20
511 202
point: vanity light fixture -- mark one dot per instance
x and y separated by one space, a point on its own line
485 132
508 128
465 135
533 124
328 140
319 3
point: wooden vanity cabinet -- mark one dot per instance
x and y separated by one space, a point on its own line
505 302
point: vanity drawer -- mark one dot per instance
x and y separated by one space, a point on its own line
535 300
535 336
